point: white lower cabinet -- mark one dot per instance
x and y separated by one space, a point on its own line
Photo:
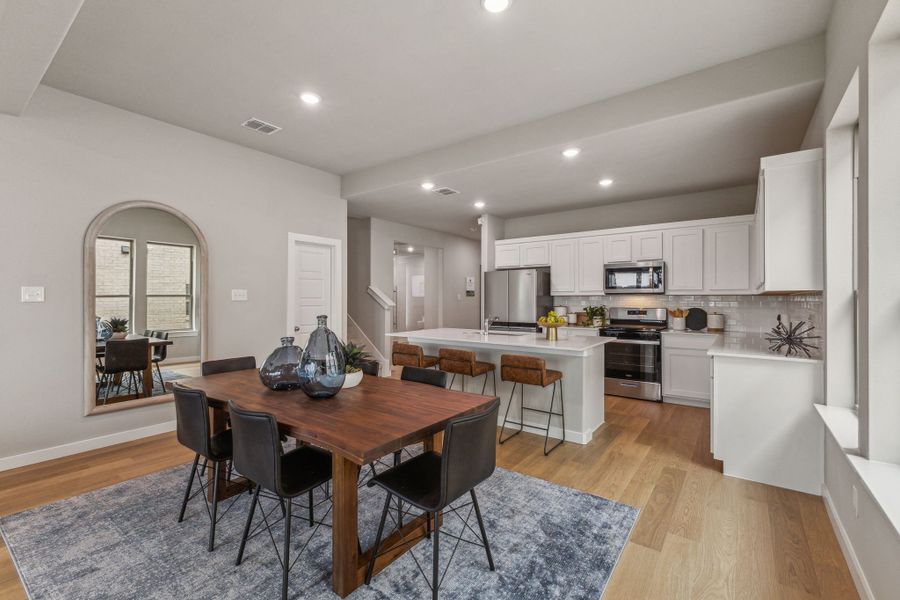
685 367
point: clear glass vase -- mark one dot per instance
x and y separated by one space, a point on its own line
281 371
322 367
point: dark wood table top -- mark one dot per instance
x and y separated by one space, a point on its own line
363 423
101 344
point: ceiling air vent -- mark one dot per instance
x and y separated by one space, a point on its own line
261 126
445 191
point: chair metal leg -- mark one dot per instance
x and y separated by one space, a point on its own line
428 525
452 379
487 547
310 496
435 559
215 507
494 374
512 395
550 416
484 385
399 502
377 547
240 555
286 564
190 484
162 383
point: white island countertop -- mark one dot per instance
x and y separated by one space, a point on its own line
749 345
536 343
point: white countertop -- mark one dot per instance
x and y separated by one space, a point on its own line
751 345
691 332
532 342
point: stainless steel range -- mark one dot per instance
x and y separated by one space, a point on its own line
634 360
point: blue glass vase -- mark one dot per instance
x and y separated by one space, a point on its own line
322 367
281 370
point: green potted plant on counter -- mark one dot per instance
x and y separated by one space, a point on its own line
354 356
119 327
596 315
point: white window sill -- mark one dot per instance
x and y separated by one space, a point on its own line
881 479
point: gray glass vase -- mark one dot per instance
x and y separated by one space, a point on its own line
322 367
281 370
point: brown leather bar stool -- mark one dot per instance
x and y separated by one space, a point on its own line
462 362
410 355
531 370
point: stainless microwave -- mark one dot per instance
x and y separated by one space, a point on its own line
647 277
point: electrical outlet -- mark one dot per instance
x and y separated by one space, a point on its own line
238 295
32 293
854 498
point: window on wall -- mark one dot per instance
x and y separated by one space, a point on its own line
170 287
855 265
114 286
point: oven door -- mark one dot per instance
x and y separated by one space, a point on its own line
635 278
633 369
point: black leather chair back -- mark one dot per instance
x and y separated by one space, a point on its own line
369 367
192 419
161 352
257 447
428 376
469 455
123 356
212 367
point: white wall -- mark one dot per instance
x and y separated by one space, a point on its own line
724 202
67 159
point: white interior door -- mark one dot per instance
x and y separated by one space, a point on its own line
313 286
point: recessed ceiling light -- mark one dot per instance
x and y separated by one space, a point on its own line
479 204
605 182
571 152
410 249
495 6
428 186
310 97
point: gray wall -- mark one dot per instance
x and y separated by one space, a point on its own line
149 225
724 202
68 159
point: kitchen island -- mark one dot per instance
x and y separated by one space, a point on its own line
578 357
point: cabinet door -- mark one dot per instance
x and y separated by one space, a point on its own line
727 263
646 246
535 254
590 265
759 235
685 373
563 267
506 256
617 248
683 253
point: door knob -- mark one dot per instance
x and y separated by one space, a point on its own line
296 328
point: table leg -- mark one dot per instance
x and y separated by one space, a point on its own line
226 488
344 532
148 375
435 443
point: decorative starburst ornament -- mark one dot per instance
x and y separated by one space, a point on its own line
795 338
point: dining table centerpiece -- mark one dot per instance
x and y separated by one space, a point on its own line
322 368
119 326
281 371
354 356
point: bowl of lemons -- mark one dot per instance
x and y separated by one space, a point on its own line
550 322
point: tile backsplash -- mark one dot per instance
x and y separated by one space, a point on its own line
743 314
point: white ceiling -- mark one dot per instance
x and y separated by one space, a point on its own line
401 77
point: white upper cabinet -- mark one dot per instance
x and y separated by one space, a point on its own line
534 254
683 253
646 245
788 239
564 267
617 248
727 262
506 256
590 265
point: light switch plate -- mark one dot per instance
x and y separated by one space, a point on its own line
32 293
238 295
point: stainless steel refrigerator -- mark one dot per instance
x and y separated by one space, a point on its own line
514 299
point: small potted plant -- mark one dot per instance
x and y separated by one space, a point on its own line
119 327
596 315
354 356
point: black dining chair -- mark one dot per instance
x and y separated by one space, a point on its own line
427 376
432 482
124 357
258 456
159 354
193 431
226 365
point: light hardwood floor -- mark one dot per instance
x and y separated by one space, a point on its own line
699 535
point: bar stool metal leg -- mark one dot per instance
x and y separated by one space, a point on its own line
550 415
506 416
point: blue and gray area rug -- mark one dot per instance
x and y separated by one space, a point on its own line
123 542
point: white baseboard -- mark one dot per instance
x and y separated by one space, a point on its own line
859 578
36 456
686 401
576 437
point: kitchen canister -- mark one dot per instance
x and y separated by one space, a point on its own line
561 311
715 322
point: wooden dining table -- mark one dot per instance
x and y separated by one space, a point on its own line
148 372
358 426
